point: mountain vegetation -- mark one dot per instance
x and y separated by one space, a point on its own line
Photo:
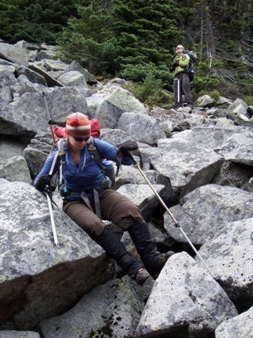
136 39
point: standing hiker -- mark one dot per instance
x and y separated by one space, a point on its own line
181 82
88 191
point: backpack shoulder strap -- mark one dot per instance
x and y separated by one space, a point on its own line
94 152
109 172
59 156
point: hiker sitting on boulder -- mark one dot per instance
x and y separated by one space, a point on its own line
88 200
181 82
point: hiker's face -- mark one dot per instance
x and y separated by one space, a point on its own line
179 50
78 142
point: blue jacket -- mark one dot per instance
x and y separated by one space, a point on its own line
87 175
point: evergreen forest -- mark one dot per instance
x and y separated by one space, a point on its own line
136 39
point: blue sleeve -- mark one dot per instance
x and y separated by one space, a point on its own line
46 167
109 152
106 150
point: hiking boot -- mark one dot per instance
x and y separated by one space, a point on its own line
141 276
162 261
145 245
116 249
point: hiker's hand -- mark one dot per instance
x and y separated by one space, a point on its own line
43 183
173 66
126 148
125 151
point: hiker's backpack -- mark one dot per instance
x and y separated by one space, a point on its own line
191 67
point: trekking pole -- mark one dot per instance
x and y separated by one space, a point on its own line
49 118
178 90
170 213
48 190
49 201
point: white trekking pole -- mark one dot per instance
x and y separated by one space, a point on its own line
178 90
171 215
49 201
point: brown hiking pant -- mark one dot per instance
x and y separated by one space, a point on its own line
115 207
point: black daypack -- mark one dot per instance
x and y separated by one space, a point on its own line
58 180
191 67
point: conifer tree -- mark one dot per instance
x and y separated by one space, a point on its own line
222 30
145 32
87 38
35 21
129 39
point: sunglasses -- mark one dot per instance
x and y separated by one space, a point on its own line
81 139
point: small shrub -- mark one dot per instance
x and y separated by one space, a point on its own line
249 100
150 91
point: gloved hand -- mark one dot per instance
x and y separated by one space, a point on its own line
174 65
42 183
124 152
126 147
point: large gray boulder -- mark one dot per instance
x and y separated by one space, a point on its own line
35 273
13 53
229 257
111 102
207 210
131 123
185 300
239 326
187 165
237 111
7 79
114 307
